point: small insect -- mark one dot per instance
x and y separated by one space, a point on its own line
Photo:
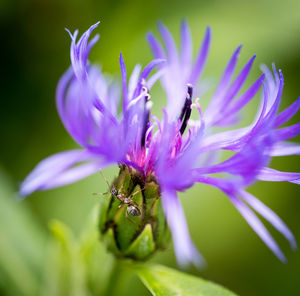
121 195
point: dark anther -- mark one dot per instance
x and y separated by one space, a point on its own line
147 115
187 109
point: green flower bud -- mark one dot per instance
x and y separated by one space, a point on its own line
133 224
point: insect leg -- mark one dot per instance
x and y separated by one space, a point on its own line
123 190
120 206
135 203
133 194
95 193
106 181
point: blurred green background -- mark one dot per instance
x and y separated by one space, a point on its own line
35 52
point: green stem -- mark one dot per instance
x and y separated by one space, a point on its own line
118 279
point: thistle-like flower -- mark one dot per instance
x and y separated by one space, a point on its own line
176 152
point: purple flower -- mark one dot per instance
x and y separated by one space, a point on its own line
176 150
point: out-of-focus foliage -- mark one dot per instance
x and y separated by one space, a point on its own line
21 245
35 52
65 265
34 263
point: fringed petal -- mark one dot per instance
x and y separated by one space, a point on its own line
238 82
133 80
245 98
222 86
155 46
287 114
145 73
124 84
289 132
233 188
52 168
271 175
169 43
185 250
227 74
75 174
273 109
79 51
221 102
257 226
186 45
285 149
201 58
270 216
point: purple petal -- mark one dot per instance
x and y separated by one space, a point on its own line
178 175
230 187
145 73
289 132
238 82
245 163
133 80
214 104
74 174
186 44
92 43
258 227
285 149
50 168
153 79
147 70
269 215
60 97
258 129
169 43
228 72
268 174
296 182
270 116
79 52
226 185
124 83
185 250
201 58
246 97
229 116
155 46
288 113
223 97
80 106
74 101
223 140
113 98
229 120
269 75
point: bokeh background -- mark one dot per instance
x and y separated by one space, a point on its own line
34 54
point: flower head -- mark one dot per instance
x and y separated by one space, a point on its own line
176 151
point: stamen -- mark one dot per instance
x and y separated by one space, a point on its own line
187 109
148 105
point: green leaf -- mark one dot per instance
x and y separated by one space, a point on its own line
143 245
164 281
